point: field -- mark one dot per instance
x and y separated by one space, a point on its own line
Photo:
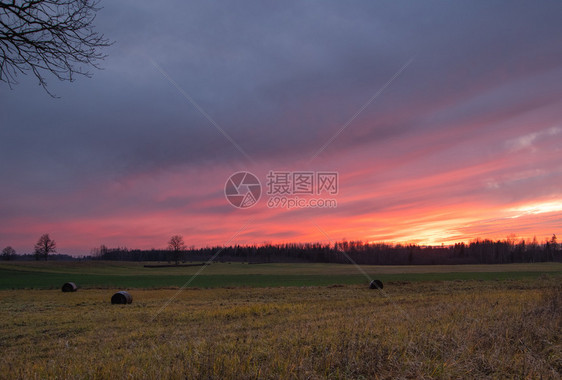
429 322
96 274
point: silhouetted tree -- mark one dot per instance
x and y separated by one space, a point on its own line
99 252
44 247
551 248
554 243
533 250
8 253
55 36
176 246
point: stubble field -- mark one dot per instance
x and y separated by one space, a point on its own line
425 329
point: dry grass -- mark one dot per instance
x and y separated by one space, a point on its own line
430 330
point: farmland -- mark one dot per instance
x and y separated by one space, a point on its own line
109 274
430 322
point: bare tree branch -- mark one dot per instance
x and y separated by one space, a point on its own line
49 36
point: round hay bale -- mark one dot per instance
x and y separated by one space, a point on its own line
121 298
376 284
69 287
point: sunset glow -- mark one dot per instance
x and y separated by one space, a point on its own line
462 139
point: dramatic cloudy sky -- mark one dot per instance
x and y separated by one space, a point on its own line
462 138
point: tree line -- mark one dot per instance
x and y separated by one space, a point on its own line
476 252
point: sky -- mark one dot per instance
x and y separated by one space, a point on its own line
442 121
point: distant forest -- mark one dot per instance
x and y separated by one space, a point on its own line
476 252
